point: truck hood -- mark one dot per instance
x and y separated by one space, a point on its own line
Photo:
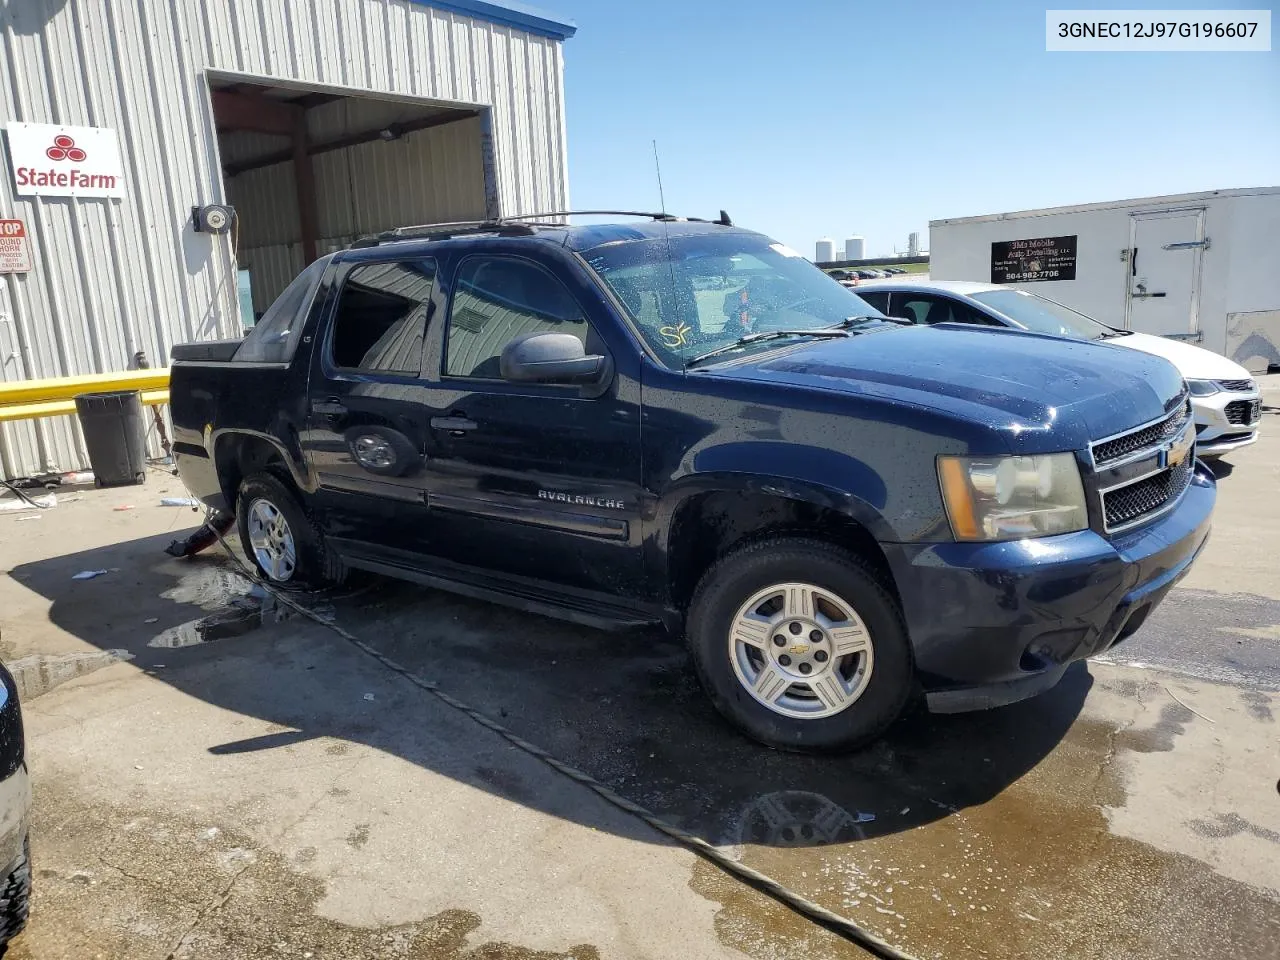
1025 385
1194 363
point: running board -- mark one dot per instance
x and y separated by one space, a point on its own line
589 613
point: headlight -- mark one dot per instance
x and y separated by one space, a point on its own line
1202 388
1008 498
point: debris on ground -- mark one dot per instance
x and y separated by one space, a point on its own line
88 574
206 536
24 502
179 502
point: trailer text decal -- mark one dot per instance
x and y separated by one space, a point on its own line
1041 258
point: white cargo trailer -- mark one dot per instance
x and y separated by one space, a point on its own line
1204 267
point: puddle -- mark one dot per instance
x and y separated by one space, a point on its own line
37 675
244 614
210 587
1033 872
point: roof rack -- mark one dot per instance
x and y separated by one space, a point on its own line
723 219
512 225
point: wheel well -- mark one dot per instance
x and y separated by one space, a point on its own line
708 526
240 456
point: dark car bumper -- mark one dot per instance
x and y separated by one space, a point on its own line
991 623
15 786
15 812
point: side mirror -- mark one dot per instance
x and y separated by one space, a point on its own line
549 358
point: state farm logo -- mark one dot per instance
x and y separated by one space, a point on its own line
74 180
63 161
64 148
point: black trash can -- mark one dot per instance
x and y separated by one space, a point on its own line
113 432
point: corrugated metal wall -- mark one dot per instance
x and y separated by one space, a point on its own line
428 176
116 276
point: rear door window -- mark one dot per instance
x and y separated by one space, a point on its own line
381 317
877 298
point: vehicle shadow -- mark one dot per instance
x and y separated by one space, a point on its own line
624 707
1221 468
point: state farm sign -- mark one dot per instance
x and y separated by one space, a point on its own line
51 160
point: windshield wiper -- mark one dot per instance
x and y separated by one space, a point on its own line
1113 332
848 322
767 335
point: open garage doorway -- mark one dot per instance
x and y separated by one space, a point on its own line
311 168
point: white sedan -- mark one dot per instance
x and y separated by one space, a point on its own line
1224 396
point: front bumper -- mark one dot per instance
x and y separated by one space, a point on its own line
1215 433
991 623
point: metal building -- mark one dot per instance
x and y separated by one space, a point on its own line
316 120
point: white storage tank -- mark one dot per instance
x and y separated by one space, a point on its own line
855 248
824 250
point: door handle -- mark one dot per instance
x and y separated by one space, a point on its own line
333 407
1143 296
456 425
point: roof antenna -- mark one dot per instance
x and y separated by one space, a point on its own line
658 167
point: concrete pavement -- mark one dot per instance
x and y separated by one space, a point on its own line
275 792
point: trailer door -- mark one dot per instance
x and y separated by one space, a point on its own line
1164 273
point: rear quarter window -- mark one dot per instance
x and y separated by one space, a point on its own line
275 337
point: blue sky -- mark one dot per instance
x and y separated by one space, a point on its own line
820 118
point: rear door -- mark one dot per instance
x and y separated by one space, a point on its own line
1164 273
367 426
535 480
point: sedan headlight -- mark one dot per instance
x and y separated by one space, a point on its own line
1008 498
1202 388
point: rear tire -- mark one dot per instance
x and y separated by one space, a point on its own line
800 646
280 538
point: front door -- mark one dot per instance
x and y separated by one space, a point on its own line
537 480
1164 272
367 427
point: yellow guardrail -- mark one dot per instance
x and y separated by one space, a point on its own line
25 399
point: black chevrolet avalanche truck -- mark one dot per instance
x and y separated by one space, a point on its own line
685 423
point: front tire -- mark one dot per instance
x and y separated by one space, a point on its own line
15 897
800 646
280 538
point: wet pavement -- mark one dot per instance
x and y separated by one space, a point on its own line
250 784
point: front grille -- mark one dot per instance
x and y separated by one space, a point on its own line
1117 448
1243 413
1130 504
1236 386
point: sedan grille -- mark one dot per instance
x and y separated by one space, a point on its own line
1244 413
1137 501
1236 386
1117 448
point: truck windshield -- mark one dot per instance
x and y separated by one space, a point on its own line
690 295
1043 316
